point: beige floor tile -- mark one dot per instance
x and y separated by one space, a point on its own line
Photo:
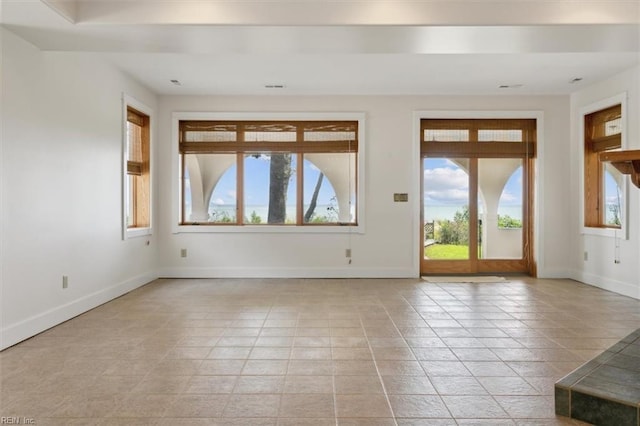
130 368
274 341
408 385
306 422
366 422
418 406
188 352
202 406
210 384
308 384
266 353
357 385
159 384
347 331
79 405
354 367
296 347
400 368
229 353
176 367
362 406
486 422
221 367
252 406
445 368
66 421
342 353
447 385
310 367
489 369
527 407
255 367
507 386
349 342
307 405
475 354
474 407
311 353
313 341
434 354
234 341
259 384
394 354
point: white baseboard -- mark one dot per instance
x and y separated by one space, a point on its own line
620 287
298 272
17 332
554 273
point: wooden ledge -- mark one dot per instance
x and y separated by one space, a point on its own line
627 162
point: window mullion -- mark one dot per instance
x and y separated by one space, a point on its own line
299 176
240 177
299 189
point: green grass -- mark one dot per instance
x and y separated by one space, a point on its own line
446 252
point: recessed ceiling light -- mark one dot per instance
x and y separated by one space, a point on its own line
274 86
176 82
575 80
510 86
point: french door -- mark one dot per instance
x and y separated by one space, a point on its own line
477 196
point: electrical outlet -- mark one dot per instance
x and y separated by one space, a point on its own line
586 255
65 281
347 253
183 252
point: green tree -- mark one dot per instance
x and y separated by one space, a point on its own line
255 219
507 221
454 231
314 199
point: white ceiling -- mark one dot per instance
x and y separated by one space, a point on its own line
342 47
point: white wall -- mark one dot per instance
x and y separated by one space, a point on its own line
61 189
388 247
600 269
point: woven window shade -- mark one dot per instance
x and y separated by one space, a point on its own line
604 129
135 124
479 137
268 136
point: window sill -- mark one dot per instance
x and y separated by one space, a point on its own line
137 232
605 232
268 229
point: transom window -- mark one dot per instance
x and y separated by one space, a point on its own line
275 172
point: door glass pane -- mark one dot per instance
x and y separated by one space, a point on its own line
446 208
500 208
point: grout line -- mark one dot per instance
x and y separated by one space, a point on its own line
375 364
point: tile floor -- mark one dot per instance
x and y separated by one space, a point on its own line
315 352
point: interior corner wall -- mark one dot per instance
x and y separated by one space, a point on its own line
600 268
389 247
62 189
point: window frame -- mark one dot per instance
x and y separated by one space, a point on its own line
129 102
177 227
606 231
